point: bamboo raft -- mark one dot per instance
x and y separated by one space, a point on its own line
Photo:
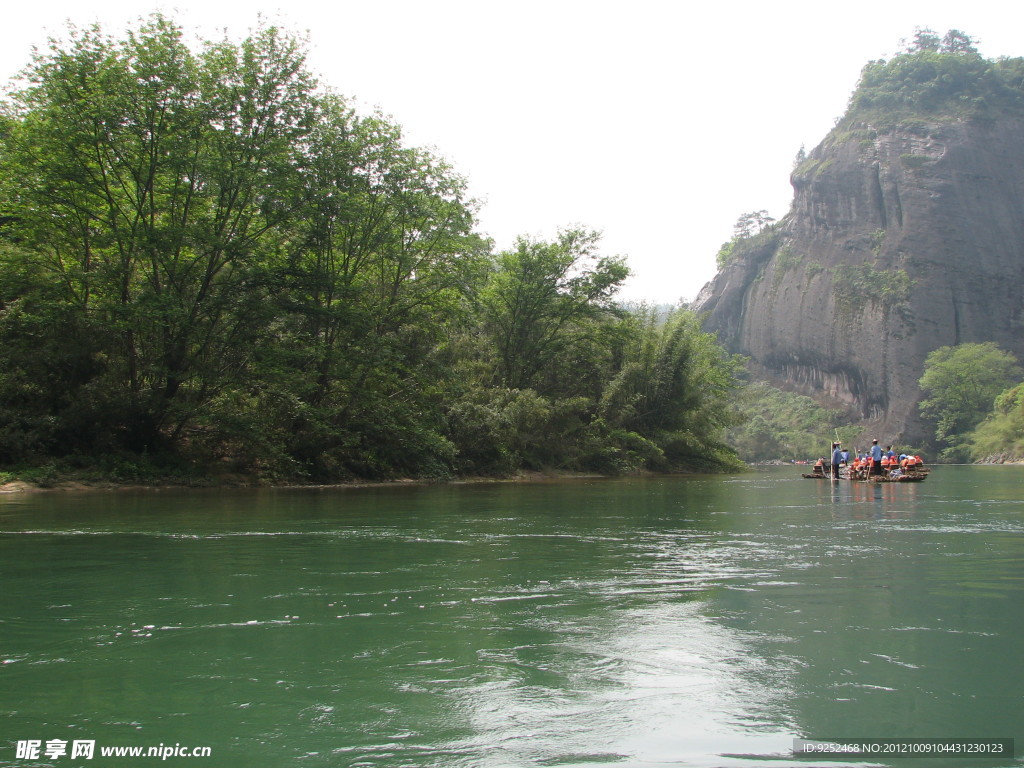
915 475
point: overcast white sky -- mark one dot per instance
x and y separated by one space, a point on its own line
656 122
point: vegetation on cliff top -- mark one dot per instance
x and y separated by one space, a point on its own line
936 78
210 264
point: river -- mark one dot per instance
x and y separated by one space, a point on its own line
675 621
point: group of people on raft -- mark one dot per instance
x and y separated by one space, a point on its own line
876 462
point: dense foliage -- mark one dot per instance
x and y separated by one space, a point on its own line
777 425
854 287
209 263
936 77
1000 436
749 228
960 385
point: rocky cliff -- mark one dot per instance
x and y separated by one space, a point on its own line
906 233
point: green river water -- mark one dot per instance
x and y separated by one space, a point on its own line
683 621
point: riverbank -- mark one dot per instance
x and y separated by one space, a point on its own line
1002 458
18 486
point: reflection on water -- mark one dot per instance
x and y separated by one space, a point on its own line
682 621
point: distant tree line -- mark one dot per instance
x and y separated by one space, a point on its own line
775 425
209 263
972 399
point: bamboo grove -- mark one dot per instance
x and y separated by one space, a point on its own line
211 264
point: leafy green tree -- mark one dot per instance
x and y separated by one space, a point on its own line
748 230
371 284
206 259
959 385
674 390
530 362
150 184
750 224
544 301
928 41
955 41
924 40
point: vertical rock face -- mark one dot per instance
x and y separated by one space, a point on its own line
900 240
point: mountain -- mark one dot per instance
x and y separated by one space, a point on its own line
906 233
